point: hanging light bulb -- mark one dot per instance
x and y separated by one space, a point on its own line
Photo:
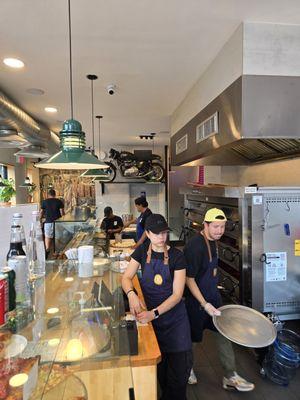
72 139
27 183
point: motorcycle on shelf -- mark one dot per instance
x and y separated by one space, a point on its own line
140 164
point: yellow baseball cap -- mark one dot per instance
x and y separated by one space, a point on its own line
215 215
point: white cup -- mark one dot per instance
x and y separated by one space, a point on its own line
85 254
85 270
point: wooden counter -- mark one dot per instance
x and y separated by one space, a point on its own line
144 365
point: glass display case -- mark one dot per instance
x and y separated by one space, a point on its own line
69 340
70 230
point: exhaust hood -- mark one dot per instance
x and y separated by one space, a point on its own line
256 119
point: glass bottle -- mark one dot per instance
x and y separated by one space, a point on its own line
36 248
15 248
17 220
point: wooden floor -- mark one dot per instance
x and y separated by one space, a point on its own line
209 373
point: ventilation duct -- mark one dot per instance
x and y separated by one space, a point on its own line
18 129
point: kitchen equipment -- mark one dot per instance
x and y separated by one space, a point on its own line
245 326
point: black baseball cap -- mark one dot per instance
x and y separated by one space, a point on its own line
107 211
156 223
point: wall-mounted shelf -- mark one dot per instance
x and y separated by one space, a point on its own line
128 182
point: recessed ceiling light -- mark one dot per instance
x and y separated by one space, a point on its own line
52 310
13 62
51 109
35 92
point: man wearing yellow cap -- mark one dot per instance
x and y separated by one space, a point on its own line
203 298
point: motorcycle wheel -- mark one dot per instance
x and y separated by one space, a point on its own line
158 173
110 175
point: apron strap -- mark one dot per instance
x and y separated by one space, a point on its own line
207 245
166 255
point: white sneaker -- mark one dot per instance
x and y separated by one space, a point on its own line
192 379
238 383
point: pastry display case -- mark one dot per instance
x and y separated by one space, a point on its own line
69 340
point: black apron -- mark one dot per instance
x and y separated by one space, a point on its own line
207 281
172 328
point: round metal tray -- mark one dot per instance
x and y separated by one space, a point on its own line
245 326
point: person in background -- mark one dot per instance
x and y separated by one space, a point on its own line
51 209
111 223
162 282
203 298
141 205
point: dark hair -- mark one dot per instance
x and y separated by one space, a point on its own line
141 201
51 192
107 211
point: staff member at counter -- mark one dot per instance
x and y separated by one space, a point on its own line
141 205
51 209
111 223
162 283
203 297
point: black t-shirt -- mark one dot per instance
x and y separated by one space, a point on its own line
196 254
111 223
52 209
144 215
176 257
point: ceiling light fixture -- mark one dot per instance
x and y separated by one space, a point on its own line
32 151
27 184
50 109
35 91
97 173
13 63
149 136
72 155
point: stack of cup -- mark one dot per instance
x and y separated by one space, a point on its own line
85 261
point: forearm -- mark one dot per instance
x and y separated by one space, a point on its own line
194 289
127 284
141 240
169 303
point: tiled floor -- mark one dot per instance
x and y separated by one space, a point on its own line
209 372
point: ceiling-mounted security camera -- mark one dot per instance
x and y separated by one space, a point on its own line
111 89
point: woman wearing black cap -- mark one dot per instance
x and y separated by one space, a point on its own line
111 223
162 283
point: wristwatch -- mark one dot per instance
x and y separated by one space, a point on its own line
156 313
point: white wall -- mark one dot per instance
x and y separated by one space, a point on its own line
155 194
225 69
116 196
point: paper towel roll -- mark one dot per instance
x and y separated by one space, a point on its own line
85 254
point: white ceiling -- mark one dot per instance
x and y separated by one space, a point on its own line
153 50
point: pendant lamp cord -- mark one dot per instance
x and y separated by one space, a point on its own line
99 138
92 91
70 54
99 118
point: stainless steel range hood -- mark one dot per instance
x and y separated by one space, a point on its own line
256 119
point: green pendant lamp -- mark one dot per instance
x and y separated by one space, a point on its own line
72 155
98 174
